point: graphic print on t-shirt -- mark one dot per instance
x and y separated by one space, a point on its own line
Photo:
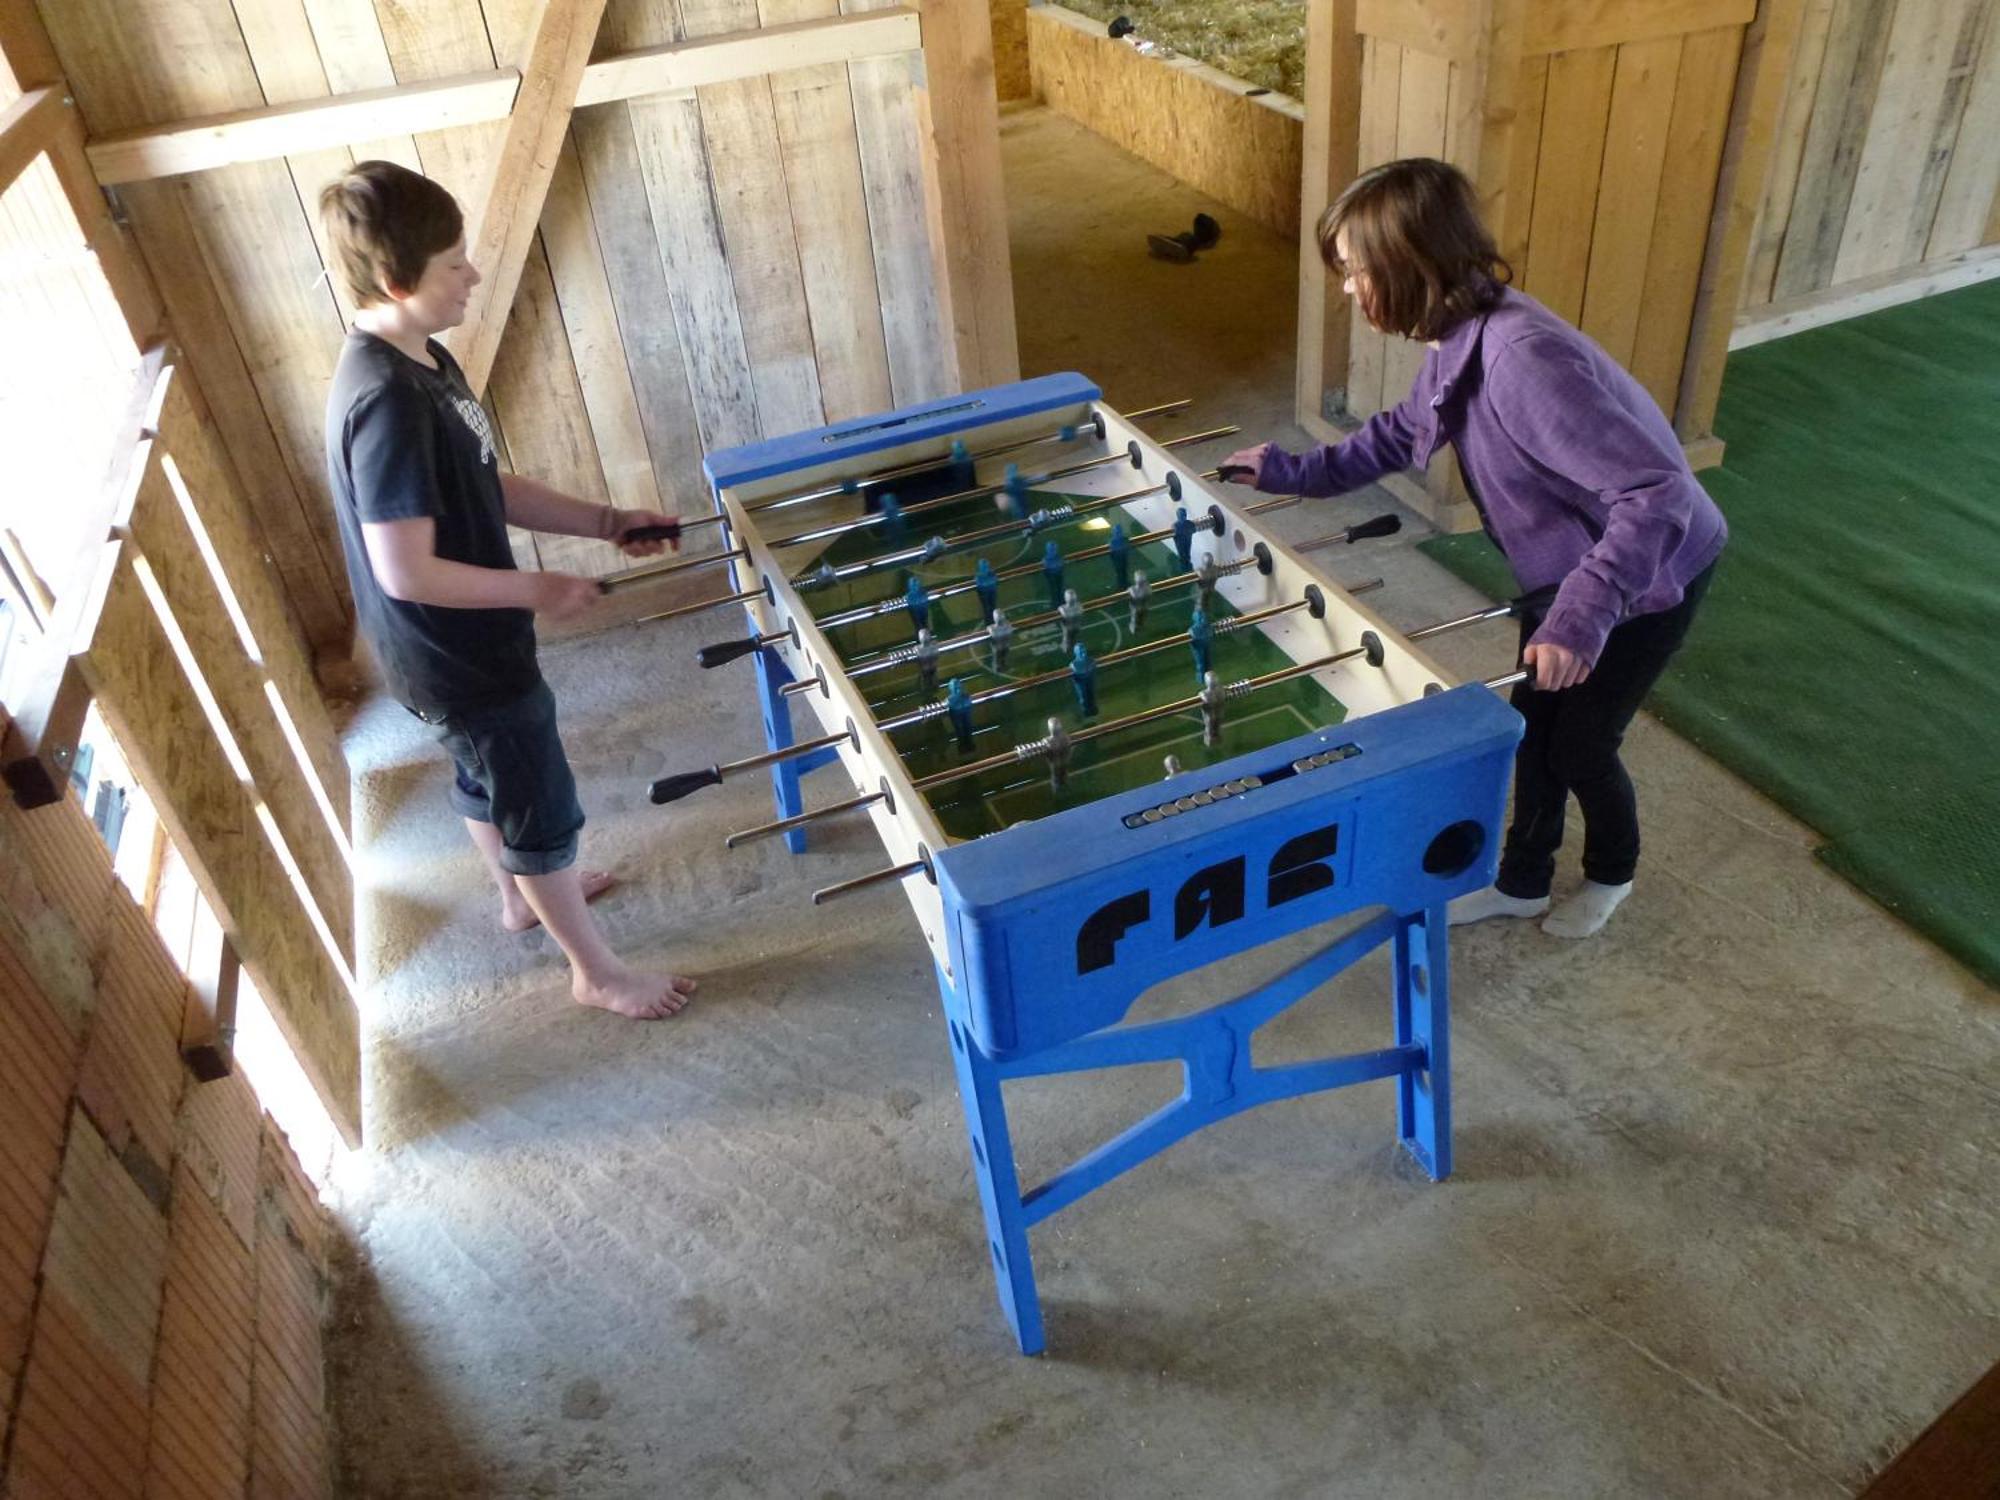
474 416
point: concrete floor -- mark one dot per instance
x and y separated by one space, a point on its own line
1723 1221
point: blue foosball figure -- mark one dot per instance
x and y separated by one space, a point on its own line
891 513
958 706
1083 678
1201 637
1184 538
1052 573
986 584
917 600
1121 555
1015 488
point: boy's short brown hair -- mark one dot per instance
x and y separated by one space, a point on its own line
384 223
1421 258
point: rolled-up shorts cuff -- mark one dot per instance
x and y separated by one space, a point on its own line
539 861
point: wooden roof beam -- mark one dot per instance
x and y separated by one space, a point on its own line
502 227
208 141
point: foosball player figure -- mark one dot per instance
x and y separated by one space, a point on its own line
917 599
1072 618
1015 490
927 660
1083 678
1211 709
1052 573
986 584
1121 555
891 512
958 705
1184 538
1058 750
1140 593
961 464
1001 634
1201 637
1204 580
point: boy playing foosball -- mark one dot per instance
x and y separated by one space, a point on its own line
423 509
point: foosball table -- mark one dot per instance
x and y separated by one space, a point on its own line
1109 732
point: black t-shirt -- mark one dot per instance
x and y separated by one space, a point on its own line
403 442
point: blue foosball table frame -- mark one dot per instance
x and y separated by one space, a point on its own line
1045 934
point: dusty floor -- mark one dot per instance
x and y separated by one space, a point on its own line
1723 1221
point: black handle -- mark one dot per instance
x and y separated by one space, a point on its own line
716 654
1227 472
1387 525
673 788
671 532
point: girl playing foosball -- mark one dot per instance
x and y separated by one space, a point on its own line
1579 480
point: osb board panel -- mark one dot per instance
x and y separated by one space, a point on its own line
1189 120
167 534
132 1077
200 1435
153 709
1012 78
218 502
37 1067
82 1420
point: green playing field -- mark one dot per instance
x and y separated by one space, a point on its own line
1021 791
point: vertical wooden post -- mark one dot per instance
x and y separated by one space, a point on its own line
1333 131
960 116
1761 75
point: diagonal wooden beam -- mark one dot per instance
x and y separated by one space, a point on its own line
28 127
502 228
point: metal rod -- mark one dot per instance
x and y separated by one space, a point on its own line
740 597
1041 679
876 877
924 465
1165 710
612 581
1492 612
1069 515
1265 507
786 825
783 752
1525 674
842 528
902 656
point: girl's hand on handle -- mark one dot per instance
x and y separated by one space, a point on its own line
1246 465
1555 667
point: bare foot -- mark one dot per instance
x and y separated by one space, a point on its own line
644 997
517 916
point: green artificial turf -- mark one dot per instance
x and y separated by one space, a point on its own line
1847 660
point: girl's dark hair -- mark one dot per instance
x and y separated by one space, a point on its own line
384 222
1421 258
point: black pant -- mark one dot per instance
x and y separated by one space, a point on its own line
1571 745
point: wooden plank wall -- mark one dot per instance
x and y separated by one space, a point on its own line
1886 165
1610 178
708 270
162 1260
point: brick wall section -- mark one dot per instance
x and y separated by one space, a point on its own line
162 1256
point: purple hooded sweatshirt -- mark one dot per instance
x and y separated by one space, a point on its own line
1575 471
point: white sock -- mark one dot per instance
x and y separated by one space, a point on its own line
1493 902
1584 912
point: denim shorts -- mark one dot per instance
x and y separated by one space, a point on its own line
511 772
